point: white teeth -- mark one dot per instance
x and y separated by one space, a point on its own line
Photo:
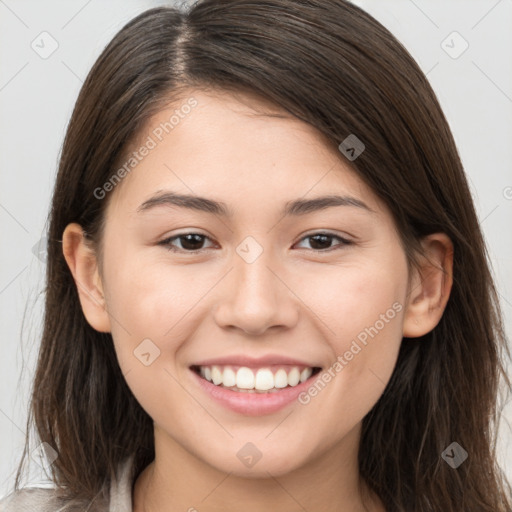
248 380
244 378
229 378
293 377
264 380
216 375
305 374
281 379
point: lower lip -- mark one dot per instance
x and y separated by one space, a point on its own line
253 404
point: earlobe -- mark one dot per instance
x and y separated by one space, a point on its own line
82 263
430 287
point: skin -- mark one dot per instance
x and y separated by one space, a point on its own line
292 300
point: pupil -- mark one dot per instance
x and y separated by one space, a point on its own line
325 238
187 238
192 241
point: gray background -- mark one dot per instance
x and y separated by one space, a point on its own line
36 100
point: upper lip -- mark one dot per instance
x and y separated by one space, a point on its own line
254 362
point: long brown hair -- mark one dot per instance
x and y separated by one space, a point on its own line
335 67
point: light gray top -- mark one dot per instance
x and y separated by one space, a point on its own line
39 499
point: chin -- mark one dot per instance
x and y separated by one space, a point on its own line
248 463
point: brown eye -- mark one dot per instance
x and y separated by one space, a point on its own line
321 242
190 242
193 242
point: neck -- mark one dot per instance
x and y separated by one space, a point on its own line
178 481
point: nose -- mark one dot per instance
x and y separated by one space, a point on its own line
256 298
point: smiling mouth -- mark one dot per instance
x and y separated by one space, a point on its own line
262 380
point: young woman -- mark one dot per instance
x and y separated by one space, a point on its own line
267 287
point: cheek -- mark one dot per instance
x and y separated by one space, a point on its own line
361 311
151 304
156 301
149 295
370 314
360 300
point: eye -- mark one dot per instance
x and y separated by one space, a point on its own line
193 242
321 240
190 242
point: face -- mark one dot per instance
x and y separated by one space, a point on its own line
306 301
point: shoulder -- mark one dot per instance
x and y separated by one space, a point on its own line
48 499
43 499
31 498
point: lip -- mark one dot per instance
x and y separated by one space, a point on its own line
252 404
256 362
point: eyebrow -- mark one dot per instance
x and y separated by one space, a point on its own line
291 208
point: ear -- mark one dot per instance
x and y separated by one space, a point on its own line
429 288
82 262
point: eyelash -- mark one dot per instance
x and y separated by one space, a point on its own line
167 242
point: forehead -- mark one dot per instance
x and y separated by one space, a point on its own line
233 146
